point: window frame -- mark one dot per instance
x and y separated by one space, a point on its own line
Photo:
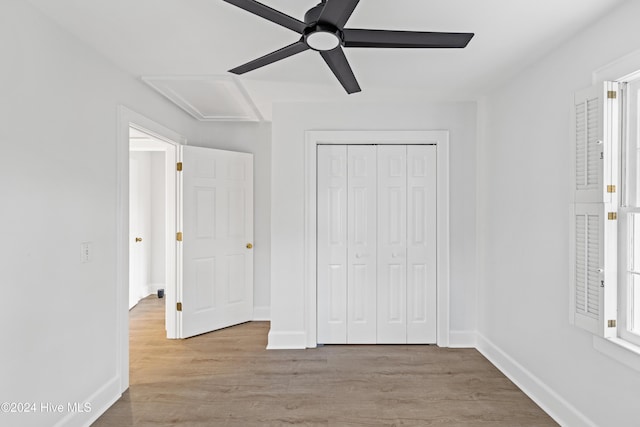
629 205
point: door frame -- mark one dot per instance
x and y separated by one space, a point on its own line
126 119
439 138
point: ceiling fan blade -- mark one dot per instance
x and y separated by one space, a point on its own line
272 57
270 14
337 12
338 63
404 39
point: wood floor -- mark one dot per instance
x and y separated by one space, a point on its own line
227 378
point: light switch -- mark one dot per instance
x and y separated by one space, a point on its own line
85 252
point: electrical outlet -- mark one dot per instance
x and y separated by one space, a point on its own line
85 252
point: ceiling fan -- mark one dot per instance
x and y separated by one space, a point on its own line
323 31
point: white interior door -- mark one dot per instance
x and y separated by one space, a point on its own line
217 226
332 244
421 244
361 237
137 267
392 244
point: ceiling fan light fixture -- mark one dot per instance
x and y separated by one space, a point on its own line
323 40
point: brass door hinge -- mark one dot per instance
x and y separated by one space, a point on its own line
611 323
611 188
179 306
179 236
612 216
179 166
612 94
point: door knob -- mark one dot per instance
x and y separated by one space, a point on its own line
249 245
138 239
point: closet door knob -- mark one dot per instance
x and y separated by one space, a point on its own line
138 239
249 245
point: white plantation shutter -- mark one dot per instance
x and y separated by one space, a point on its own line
589 147
588 259
595 143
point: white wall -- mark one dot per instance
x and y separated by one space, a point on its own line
251 138
58 124
524 163
290 121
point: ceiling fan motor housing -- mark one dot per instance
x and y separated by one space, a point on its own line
313 14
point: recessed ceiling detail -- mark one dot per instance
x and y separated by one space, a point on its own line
207 98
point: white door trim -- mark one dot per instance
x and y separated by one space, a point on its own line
126 119
438 138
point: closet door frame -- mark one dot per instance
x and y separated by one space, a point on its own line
438 138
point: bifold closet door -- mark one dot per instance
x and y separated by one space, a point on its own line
376 244
347 244
392 244
406 308
332 244
361 237
421 244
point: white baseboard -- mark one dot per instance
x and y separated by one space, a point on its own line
279 340
285 340
262 313
462 339
551 402
100 401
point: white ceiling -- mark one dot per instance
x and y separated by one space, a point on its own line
208 37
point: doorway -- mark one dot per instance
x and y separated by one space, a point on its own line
128 119
152 220
208 208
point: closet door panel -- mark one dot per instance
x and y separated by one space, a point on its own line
421 244
361 231
332 241
392 245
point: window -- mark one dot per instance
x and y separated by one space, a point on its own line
629 227
605 211
629 309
